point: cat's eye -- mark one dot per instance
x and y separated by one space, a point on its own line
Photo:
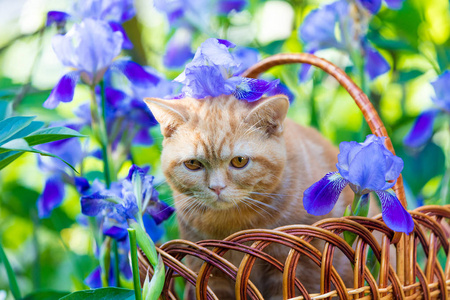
239 162
193 165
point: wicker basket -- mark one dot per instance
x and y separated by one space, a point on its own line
415 277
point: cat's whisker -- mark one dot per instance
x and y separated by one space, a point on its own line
249 204
194 208
262 203
159 184
237 206
269 194
256 202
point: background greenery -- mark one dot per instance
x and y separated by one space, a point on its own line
57 253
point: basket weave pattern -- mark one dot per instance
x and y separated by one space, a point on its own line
422 258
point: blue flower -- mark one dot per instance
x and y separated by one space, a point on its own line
365 167
318 32
196 13
117 11
90 47
227 6
211 73
178 50
114 12
422 129
94 279
54 188
374 5
127 199
57 17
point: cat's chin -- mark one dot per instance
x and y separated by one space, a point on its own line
219 203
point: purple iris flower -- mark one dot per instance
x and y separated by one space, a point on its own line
115 12
318 32
374 5
57 17
422 129
54 188
90 48
94 279
196 13
211 73
245 57
227 6
127 199
178 50
366 167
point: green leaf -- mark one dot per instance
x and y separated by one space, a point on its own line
16 145
51 134
146 243
10 126
22 145
46 295
273 47
387 44
153 289
404 77
10 273
109 293
34 126
9 157
5 109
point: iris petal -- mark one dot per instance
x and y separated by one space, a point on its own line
127 44
178 50
93 204
154 231
394 214
440 86
160 211
320 198
136 73
51 197
282 89
226 6
203 81
318 28
143 137
394 4
81 184
376 64
57 17
94 280
250 89
63 90
422 129
371 5
245 57
365 170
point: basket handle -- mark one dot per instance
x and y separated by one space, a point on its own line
366 107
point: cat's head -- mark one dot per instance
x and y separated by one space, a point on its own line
221 150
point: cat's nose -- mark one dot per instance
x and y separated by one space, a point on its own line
217 188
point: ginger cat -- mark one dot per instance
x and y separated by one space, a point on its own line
234 165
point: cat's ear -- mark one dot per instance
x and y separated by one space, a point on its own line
169 113
269 114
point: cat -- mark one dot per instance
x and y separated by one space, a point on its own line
234 165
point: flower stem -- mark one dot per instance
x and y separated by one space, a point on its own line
101 134
356 198
10 273
116 263
134 264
